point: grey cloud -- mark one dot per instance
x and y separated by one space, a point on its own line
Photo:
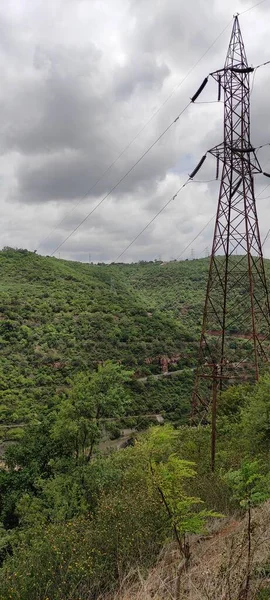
71 175
176 30
52 109
141 72
68 109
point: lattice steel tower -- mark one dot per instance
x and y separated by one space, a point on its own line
236 319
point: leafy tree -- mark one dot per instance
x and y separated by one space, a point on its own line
92 400
250 488
169 474
255 418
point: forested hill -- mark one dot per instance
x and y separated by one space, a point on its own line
59 317
78 520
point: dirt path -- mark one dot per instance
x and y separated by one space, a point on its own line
167 374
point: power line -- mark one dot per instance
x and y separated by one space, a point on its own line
268 232
211 219
173 197
128 172
203 181
265 188
152 220
137 135
160 211
253 80
251 7
130 143
208 102
254 73
194 239
263 64
163 208
122 179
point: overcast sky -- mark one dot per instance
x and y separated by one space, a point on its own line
79 79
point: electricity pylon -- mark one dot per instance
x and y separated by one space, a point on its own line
236 318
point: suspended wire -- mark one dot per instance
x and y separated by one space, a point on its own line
205 226
194 239
131 142
262 146
208 102
263 64
208 223
137 135
203 181
163 208
266 237
253 80
189 180
248 70
268 232
122 179
251 7
152 220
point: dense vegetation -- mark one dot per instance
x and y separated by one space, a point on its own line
58 318
75 523
74 340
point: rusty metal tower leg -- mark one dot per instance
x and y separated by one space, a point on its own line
236 319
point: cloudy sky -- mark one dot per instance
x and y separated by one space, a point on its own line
80 79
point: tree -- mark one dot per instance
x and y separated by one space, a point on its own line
250 488
169 474
255 418
93 398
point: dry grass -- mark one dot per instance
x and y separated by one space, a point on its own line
217 569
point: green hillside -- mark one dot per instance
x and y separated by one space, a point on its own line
78 522
59 317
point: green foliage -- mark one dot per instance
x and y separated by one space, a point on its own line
255 419
249 485
50 563
263 594
250 488
81 532
184 516
169 474
75 341
60 318
78 424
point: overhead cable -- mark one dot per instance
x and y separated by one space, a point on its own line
152 220
137 135
233 70
251 7
211 219
122 179
204 180
194 239
189 180
131 142
266 237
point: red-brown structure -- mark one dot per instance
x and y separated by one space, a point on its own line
236 319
